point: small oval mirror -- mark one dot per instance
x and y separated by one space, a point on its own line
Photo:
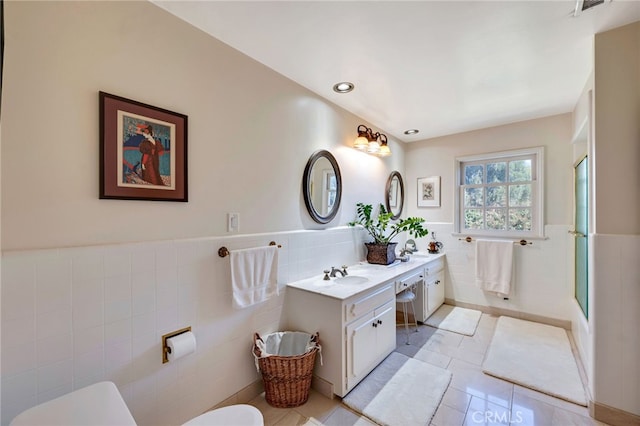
394 194
322 186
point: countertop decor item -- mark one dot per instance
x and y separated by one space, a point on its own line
383 230
434 245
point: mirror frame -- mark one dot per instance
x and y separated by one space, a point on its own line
317 217
387 190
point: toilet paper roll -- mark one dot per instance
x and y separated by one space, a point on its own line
181 345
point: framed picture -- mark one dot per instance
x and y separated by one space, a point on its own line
143 151
429 191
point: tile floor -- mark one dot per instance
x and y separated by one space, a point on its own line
473 398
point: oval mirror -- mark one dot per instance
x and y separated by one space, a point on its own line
394 194
322 186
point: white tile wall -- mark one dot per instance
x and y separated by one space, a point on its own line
616 315
73 317
542 284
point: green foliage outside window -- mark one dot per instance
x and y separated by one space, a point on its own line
498 195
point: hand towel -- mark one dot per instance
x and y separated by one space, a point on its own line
494 266
254 275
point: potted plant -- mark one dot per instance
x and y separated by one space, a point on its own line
382 230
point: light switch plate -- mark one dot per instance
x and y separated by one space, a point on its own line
233 222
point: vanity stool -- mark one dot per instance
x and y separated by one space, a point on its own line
406 297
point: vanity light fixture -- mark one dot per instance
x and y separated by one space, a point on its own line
372 143
411 131
343 87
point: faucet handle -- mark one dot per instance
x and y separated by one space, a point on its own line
326 275
344 269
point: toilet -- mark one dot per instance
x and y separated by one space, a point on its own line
102 404
240 415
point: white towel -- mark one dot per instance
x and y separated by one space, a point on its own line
494 266
254 275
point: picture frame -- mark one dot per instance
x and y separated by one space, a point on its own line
429 191
143 151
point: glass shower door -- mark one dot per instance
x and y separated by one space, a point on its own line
581 224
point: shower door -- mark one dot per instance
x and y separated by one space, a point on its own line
581 224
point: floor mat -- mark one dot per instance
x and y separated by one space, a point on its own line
401 391
536 356
455 319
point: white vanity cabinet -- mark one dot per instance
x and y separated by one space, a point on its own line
431 296
356 333
355 317
370 338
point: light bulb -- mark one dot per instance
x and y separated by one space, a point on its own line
361 143
384 151
374 147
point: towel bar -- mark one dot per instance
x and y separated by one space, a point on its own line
224 252
521 242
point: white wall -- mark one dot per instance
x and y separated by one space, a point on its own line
617 130
251 131
616 277
88 285
542 285
77 316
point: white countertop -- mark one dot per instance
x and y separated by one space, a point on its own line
370 276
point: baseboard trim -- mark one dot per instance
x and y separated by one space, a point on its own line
612 416
492 310
243 396
322 386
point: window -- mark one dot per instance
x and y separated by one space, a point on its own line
500 194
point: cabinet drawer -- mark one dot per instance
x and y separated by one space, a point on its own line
369 302
404 282
434 267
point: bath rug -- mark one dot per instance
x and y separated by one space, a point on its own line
341 416
401 391
536 356
456 319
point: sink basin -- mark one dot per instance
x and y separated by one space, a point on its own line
351 279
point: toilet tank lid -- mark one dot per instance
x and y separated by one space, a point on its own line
99 404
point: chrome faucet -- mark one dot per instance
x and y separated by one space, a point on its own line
405 251
342 272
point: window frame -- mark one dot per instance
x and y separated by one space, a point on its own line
537 192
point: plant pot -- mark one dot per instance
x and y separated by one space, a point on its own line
381 254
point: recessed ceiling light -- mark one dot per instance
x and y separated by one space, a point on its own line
411 131
343 87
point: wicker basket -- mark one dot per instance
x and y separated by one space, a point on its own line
287 379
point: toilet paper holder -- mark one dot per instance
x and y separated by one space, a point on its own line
166 350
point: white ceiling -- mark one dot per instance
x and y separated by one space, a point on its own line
442 67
